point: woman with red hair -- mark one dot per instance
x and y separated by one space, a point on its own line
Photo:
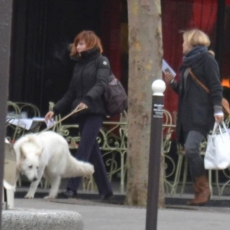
90 76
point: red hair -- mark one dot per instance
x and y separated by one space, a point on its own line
91 41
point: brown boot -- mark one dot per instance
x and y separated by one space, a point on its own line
203 191
196 192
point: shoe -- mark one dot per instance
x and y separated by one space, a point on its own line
69 194
105 197
202 192
196 194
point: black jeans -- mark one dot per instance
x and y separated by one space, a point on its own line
192 151
88 150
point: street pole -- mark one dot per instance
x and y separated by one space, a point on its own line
5 38
158 88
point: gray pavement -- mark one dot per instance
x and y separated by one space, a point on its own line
100 216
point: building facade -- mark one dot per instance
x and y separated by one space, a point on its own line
43 29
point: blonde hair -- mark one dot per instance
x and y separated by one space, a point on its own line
91 41
195 37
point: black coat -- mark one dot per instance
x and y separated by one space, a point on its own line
195 106
89 79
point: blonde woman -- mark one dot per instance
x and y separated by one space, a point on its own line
197 110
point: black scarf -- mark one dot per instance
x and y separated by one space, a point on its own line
87 55
193 57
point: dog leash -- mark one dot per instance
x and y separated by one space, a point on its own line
64 118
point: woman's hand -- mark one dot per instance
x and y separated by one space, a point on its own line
81 106
49 115
219 118
168 77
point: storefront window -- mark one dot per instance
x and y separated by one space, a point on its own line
225 67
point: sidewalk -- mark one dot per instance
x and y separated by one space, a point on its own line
100 216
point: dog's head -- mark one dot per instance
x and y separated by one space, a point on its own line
30 160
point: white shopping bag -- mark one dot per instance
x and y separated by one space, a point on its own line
217 155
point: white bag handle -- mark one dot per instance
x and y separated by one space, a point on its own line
224 126
217 126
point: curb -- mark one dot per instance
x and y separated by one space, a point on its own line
119 199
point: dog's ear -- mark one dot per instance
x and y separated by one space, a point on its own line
39 152
22 153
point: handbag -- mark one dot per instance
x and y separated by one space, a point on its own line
224 102
115 96
217 154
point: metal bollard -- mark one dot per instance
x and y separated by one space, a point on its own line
158 88
5 38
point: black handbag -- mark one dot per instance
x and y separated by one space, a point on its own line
115 96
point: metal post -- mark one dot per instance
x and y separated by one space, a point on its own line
158 88
5 38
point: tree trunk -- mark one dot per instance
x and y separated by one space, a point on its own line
145 58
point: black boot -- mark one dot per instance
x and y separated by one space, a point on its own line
105 197
69 194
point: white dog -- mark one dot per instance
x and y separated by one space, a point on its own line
47 153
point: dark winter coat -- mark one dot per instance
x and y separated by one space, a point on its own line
88 83
195 106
